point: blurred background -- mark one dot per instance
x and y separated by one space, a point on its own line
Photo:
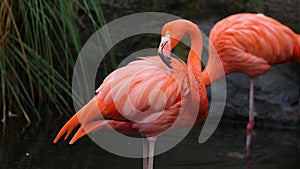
40 42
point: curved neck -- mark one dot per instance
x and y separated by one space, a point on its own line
194 65
194 57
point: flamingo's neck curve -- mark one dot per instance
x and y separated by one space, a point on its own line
194 57
195 67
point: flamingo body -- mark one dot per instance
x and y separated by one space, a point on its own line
250 44
142 90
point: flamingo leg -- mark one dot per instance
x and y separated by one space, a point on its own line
250 124
151 141
145 153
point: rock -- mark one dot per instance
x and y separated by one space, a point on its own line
277 95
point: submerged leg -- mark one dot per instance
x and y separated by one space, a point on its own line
249 160
250 124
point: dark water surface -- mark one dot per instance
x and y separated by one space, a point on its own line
32 147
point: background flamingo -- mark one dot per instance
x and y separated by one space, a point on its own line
250 44
148 116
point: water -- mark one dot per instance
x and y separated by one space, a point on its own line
32 148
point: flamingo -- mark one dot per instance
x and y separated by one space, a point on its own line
149 76
250 44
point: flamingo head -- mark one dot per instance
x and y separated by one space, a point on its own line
164 49
172 32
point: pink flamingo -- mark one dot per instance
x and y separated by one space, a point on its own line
148 116
250 44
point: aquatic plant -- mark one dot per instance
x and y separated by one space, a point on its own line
40 41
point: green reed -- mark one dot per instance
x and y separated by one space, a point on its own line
40 42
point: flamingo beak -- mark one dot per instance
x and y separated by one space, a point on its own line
164 50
